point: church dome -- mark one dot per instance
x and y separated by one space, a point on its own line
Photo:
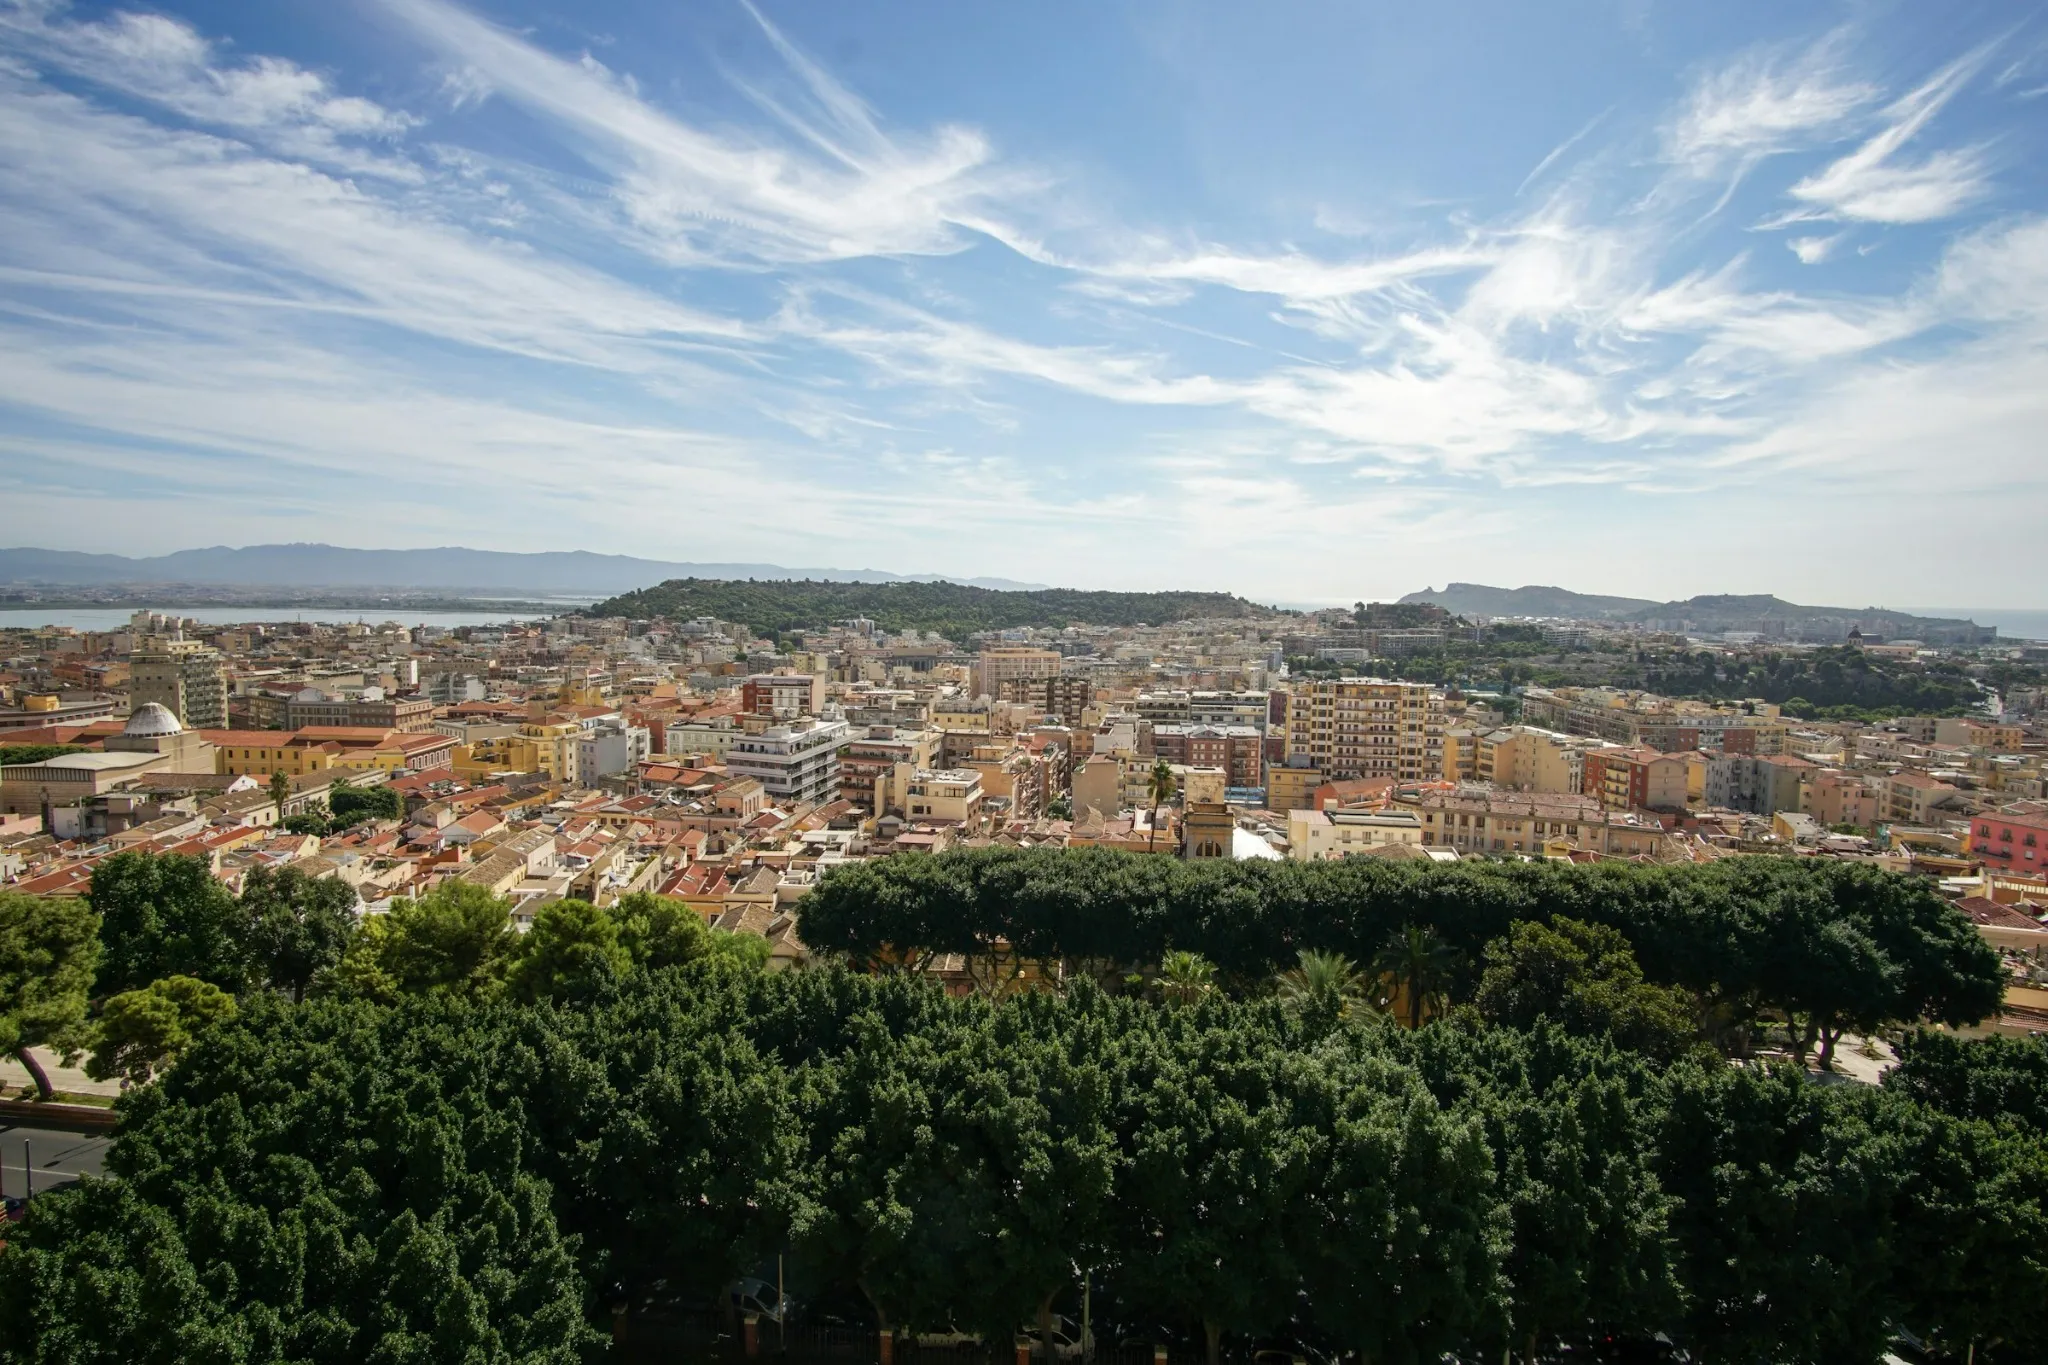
152 718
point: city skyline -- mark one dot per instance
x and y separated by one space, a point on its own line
1629 302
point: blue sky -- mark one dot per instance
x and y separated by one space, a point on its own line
1307 301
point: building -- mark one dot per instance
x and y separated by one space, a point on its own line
1064 695
1004 663
182 676
1291 786
872 753
1367 727
612 748
1637 778
784 696
1757 784
943 795
1913 798
371 710
2014 839
1833 797
1476 821
1313 835
794 763
42 710
1239 750
714 736
1207 831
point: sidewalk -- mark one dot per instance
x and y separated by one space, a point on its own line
68 1080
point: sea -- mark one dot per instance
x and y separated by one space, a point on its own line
2014 623
116 618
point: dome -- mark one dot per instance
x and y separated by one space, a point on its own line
152 718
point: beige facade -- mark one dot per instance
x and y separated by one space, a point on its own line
182 676
1367 727
1313 835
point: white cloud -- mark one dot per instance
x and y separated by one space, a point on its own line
1765 104
1814 250
1875 184
844 188
157 59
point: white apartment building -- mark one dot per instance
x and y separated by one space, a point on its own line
797 762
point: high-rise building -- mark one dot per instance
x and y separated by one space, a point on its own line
999 665
798 762
1367 727
182 676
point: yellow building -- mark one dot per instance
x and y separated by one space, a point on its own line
260 753
1368 727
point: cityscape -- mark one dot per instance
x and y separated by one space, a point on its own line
742 684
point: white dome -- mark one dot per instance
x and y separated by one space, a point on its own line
152 718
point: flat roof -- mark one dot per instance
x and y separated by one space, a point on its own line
93 762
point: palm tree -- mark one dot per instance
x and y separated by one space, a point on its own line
280 792
1160 788
1323 981
1417 961
1186 977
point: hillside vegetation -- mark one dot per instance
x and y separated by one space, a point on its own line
953 610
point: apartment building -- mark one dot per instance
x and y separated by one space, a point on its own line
797 762
612 748
182 676
2012 839
1238 750
1475 821
1001 664
714 736
1064 695
784 696
311 706
1314 835
1367 727
1637 778
1913 798
871 753
1760 784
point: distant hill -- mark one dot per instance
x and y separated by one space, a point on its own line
954 610
1709 612
1476 599
330 566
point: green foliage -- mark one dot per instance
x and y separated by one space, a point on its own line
1831 946
1186 977
1421 966
354 805
1585 978
12 754
1326 984
571 951
323 1183
953 610
1998 1080
165 915
478 1180
296 926
141 1032
452 941
314 820
48 955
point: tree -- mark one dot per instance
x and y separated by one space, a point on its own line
164 914
298 926
451 941
1159 788
1420 966
1585 978
313 820
1325 983
142 1032
48 956
572 951
1186 977
1998 1080
280 791
353 805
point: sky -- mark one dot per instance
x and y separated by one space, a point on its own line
1311 302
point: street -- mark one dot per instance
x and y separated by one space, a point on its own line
59 1157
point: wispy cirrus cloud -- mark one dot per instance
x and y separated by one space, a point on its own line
835 185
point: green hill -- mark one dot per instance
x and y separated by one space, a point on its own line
953 610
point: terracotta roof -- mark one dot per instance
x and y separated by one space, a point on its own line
1993 915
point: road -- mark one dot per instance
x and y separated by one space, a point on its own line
59 1157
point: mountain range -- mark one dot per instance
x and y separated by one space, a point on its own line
1709 612
448 568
